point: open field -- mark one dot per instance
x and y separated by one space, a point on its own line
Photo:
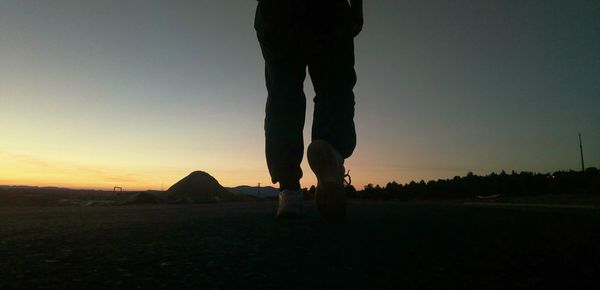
383 245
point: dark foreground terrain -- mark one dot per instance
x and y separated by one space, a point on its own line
241 246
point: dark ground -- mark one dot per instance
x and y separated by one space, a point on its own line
241 246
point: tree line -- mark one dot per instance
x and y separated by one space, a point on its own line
494 184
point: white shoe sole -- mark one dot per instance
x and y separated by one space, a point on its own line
330 196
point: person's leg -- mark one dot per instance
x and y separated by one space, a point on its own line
284 124
331 67
285 71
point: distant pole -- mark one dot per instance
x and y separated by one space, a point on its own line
258 194
581 152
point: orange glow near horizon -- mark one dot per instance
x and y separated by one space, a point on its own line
22 169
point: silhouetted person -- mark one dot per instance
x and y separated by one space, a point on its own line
318 34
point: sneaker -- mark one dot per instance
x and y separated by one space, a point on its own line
291 204
328 166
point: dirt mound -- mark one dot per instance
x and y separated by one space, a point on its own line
142 198
198 187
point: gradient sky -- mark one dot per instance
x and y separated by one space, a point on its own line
138 93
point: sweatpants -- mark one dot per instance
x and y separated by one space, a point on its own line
295 35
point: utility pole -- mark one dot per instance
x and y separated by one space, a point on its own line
258 193
581 152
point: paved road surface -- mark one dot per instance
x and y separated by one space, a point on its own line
241 246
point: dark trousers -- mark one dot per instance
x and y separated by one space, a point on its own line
294 35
